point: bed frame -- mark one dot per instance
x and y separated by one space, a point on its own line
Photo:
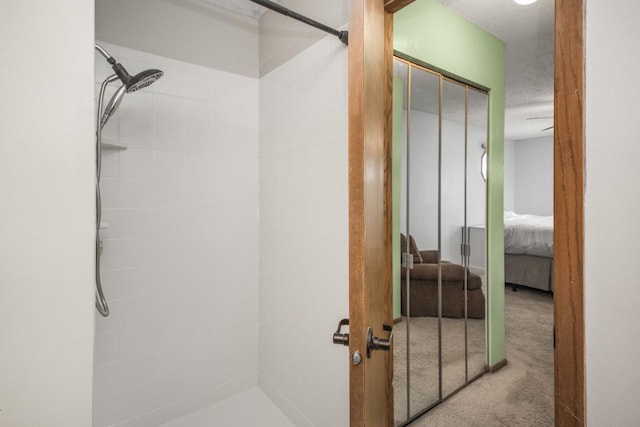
528 270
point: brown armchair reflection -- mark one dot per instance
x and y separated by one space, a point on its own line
424 286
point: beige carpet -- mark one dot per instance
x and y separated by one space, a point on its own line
520 394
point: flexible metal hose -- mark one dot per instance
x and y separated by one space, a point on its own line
101 302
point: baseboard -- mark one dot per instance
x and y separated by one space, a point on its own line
497 366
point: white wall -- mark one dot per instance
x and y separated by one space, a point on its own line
47 214
304 287
509 175
533 193
188 30
612 208
180 261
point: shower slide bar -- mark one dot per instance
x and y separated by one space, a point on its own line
342 35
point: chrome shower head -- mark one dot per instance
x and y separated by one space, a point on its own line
143 79
129 83
132 83
139 81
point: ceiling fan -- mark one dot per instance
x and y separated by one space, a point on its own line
542 118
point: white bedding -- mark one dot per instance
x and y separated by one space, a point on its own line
528 234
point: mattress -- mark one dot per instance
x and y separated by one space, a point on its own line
528 234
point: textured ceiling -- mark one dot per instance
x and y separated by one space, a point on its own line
528 33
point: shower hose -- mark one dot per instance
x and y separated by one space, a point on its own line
101 302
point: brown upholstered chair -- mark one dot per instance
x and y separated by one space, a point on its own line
424 287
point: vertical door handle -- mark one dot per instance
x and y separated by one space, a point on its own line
341 338
375 343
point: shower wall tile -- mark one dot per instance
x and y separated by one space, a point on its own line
168 137
137 105
107 379
197 113
110 164
167 192
199 141
134 193
171 82
107 348
135 163
303 231
110 193
169 165
111 132
131 223
180 261
197 85
168 109
136 133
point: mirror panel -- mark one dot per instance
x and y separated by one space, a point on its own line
400 348
477 137
422 222
452 224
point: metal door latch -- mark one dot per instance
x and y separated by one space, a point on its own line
340 338
375 343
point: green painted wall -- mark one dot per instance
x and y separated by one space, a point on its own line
429 32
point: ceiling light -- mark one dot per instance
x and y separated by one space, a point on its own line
525 2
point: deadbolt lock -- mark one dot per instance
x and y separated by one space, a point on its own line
375 343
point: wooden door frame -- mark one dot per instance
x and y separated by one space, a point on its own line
568 256
370 205
370 153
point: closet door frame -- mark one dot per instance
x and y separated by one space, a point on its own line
443 77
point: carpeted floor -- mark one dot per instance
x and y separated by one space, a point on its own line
423 356
520 394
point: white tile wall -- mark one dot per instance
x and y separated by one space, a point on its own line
180 262
304 235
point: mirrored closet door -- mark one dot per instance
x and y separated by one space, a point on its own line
440 135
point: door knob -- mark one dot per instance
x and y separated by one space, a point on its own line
375 343
340 338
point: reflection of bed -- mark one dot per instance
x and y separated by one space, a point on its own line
528 247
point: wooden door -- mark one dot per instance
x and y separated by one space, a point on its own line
370 221
370 62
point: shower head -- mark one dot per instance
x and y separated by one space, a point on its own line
139 81
132 83
143 79
113 105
